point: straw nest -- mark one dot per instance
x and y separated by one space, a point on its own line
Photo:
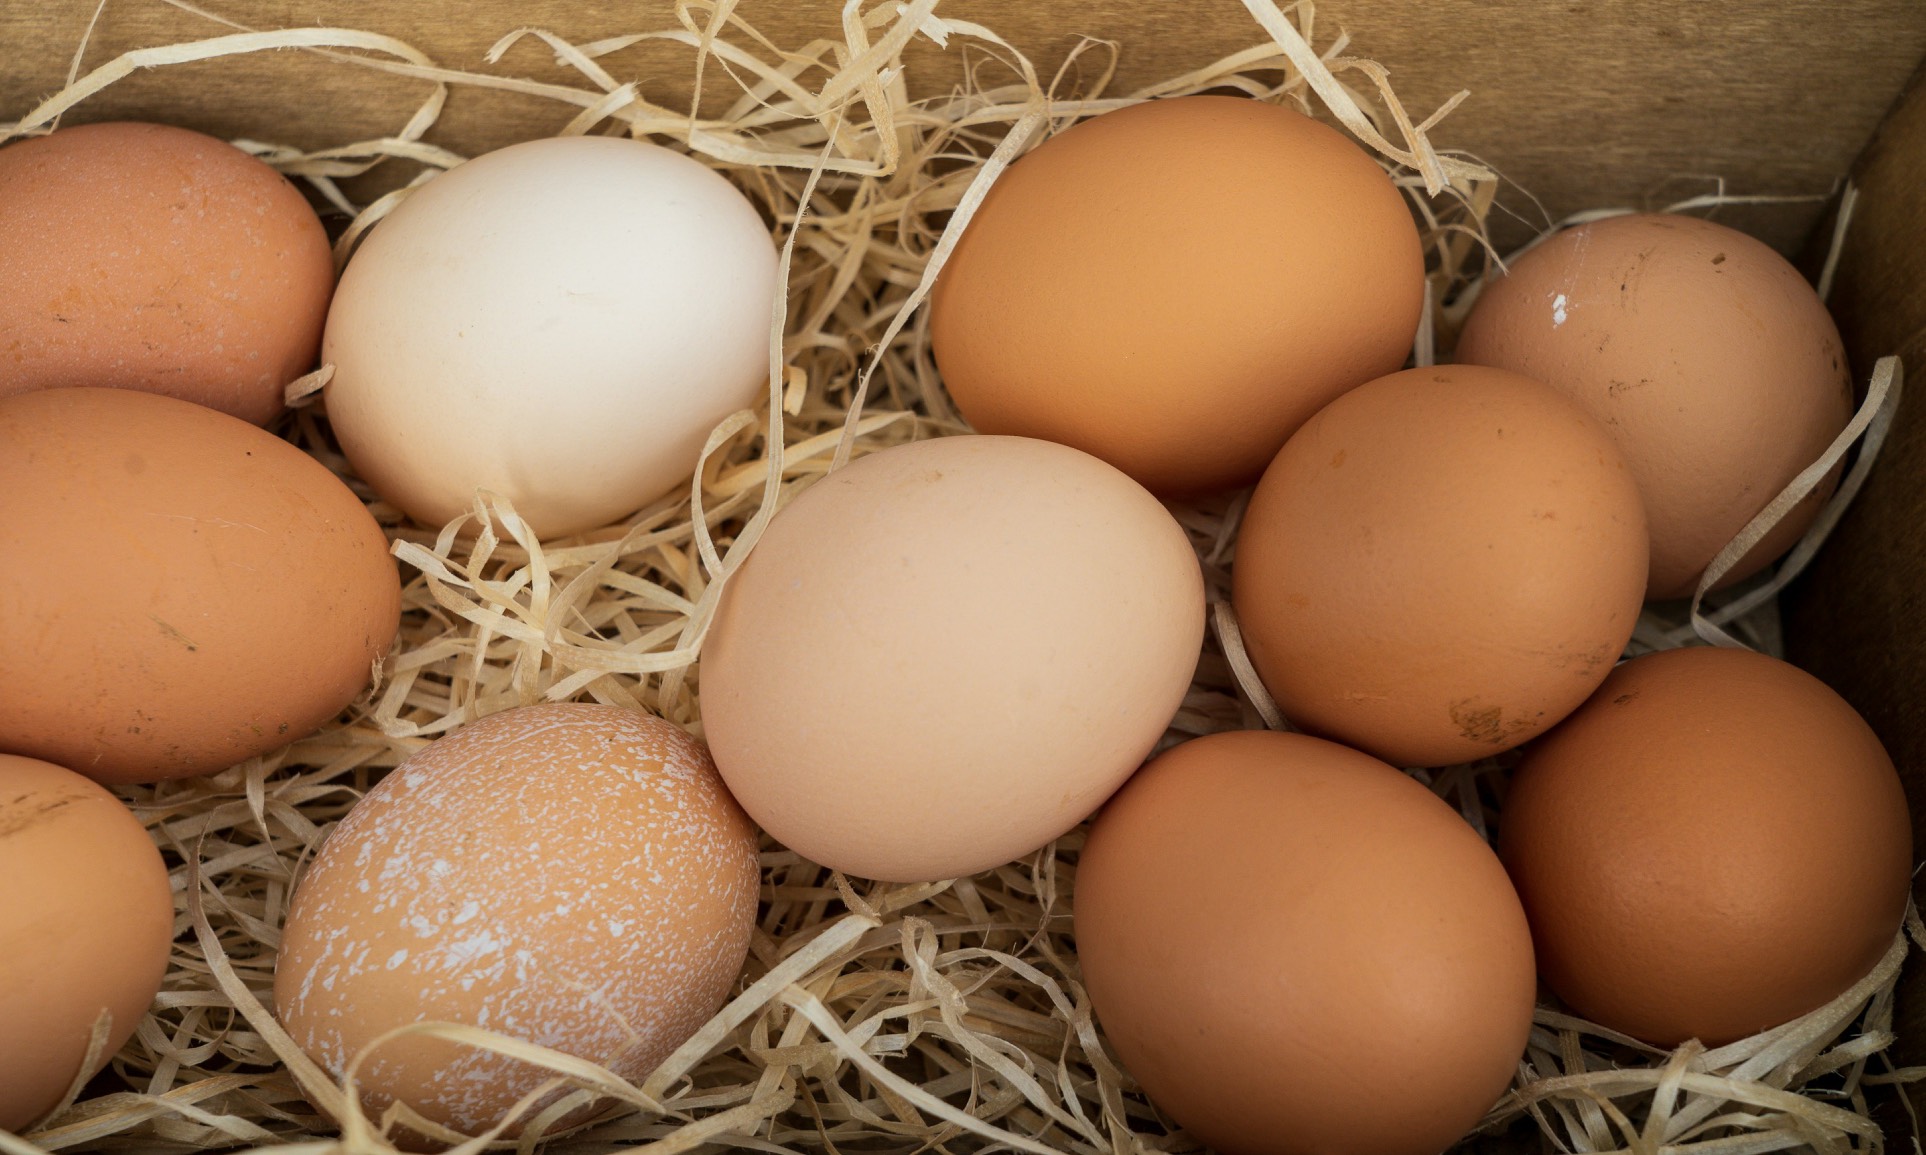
937 1017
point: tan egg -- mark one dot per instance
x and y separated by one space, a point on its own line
1715 844
1176 286
86 919
948 653
142 256
1440 565
1297 949
179 590
1711 361
571 875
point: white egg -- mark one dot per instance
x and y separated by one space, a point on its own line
561 322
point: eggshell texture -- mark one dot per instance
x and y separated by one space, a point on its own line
561 322
1439 565
948 653
1176 286
86 917
142 256
1715 844
179 590
1297 949
572 875
1711 361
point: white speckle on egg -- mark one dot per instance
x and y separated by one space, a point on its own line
499 857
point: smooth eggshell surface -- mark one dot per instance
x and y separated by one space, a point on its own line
1710 360
1175 286
179 590
572 875
1715 844
1297 950
142 256
86 919
948 653
561 322
1440 565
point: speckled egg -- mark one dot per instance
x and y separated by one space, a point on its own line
572 875
1709 359
1714 844
143 256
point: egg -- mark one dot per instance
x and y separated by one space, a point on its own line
1710 360
948 653
1176 286
571 875
1439 565
142 256
179 590
561 322
1296 949
85 928
1714 845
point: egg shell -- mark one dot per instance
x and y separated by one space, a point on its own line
1714 845
1440 564
1296 949
179 590
1176 286
561 322
573 875
86 921
948 653
143 256
1711 361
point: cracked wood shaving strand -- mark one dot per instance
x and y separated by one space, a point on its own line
939 1016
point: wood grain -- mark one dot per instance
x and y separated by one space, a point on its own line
1583 102
1858 620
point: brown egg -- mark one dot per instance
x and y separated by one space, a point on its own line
1711 361
572 875
1439 565
1715 844
1297 949
1175 286
86 919
179 589
949 653
141 256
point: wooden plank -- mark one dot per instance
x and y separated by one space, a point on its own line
1858 619
1583 103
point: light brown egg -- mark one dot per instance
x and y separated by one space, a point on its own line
1711 361
949 653
1297 949
86 919
179 590
572 875
1175 286
142 256
1715 844
1440 564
